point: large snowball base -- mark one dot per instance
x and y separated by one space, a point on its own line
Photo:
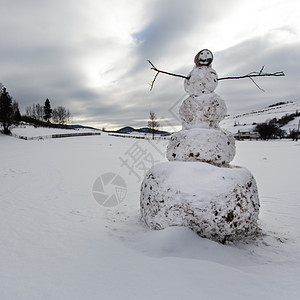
218 203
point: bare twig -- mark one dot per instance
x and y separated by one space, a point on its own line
250 75
254 74
152 83
164 72
256 84
261 69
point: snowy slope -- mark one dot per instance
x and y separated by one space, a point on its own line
30 131
57 242
245 121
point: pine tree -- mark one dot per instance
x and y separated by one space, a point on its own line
47 111
6 110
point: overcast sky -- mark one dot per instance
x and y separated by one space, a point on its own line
91 55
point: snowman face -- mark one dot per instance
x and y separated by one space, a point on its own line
203 58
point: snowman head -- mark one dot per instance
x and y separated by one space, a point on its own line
203 58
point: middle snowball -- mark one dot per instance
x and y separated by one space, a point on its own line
205 111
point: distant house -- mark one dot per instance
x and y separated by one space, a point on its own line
246 135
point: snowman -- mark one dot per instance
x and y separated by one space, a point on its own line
201 138
197 187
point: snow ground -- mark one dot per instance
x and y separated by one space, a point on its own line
57 242
33 132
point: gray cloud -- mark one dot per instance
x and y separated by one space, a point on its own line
251 55
49 48
167 36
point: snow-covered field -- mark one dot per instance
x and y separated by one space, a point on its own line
44 132
57 242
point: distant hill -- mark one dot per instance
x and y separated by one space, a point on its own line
128 129
248 121
81 127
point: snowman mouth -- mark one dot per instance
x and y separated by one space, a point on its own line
205 61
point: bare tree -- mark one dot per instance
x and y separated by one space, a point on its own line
69 116
35 111
39 112
28 111
152 123
61 115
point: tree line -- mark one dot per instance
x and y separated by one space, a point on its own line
37 114
271 129
58 115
